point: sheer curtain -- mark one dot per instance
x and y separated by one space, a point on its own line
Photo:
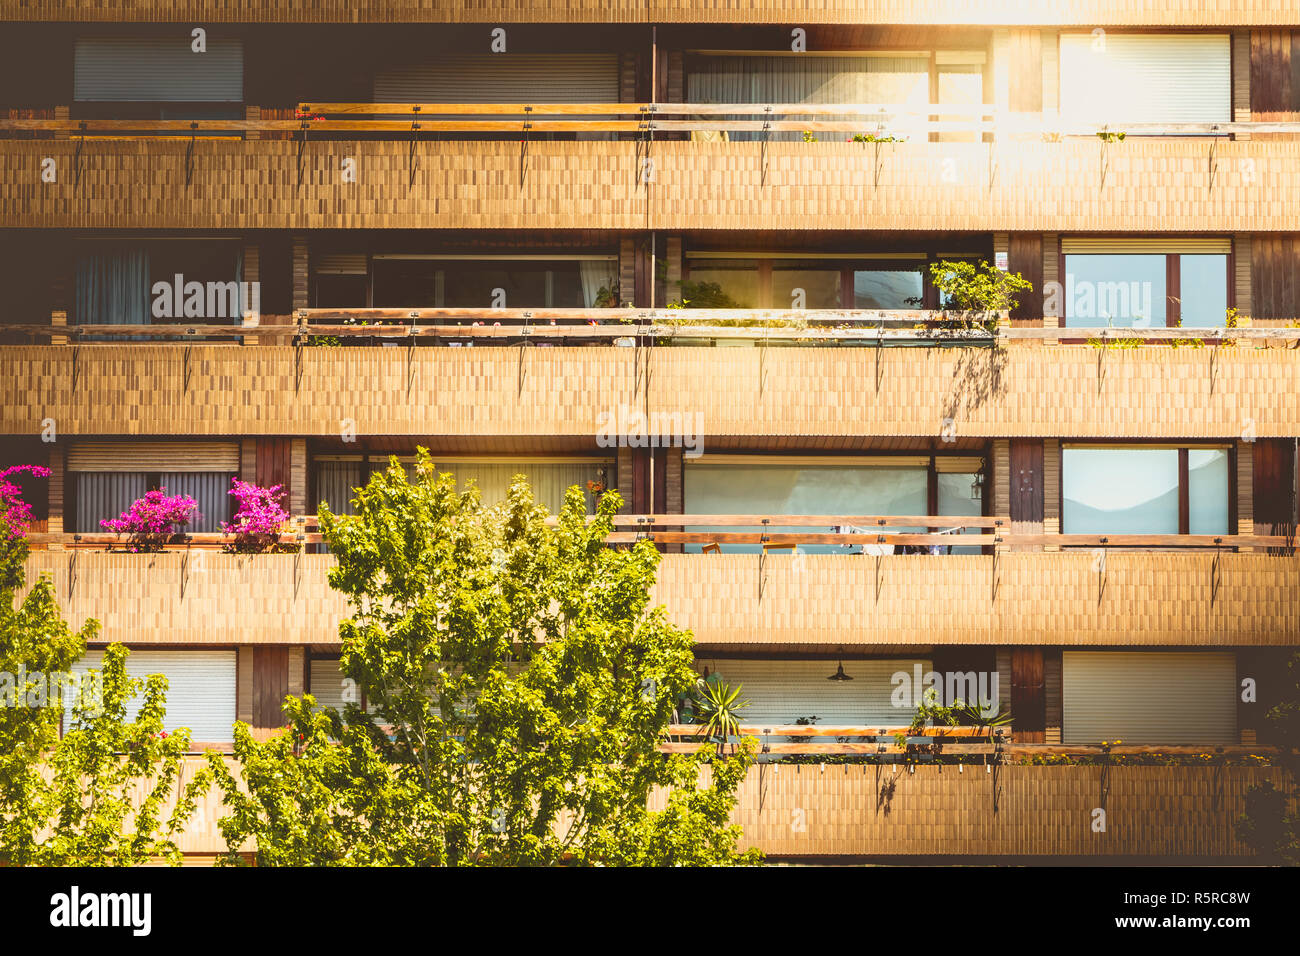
872 80
112 284
595 273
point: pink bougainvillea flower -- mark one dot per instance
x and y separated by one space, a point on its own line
15 513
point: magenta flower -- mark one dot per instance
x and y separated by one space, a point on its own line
16 514
259 518
151 520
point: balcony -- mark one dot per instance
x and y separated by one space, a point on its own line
1018 811
1015 182
809 393
1177 13
762 602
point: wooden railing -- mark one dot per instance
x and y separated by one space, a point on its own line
883 122
989 744
822 530
431 326
812 739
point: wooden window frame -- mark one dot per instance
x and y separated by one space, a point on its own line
1184 494
1173 287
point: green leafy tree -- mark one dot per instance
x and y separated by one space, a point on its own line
73 800
520 683
967 287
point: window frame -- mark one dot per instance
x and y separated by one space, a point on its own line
1173 287
1184 499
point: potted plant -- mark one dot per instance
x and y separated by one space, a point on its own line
259 519
153 521
718 707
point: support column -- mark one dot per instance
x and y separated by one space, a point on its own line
1245 490
58 472
1002 483
627 271
1052 694
1051 490
297 668
298 476
673 270
1052 274
244 684
248 460
300 272
1243 294
58 320
252 275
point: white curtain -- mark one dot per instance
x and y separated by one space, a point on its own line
112 285
549 480
211 489
793 490
596 273
104 495
808 79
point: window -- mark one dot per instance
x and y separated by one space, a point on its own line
1139 284
902 78
1119 78
879 485
470 283
1145 490
126 282
888 281
158 78
550 478
103 495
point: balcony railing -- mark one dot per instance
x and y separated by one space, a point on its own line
874 123
846 531
645 327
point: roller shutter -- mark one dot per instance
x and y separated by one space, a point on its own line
1149 698
327 683
158 69
504 78
200 691
780 692
1113 246
154 456
1146 78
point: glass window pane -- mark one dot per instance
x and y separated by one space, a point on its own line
1126 291
821 288
1203 282
721 284
887 289
794 490
1119 491
1207 490
955 500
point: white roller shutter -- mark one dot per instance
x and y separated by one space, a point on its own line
327 683
1146 78
1143 697
1123 245
158 69
780 692
200 691
153 456
504 78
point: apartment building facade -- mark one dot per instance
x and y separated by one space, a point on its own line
685 251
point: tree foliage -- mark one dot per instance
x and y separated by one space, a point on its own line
97 795
519 682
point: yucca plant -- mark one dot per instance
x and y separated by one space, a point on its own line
718 707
